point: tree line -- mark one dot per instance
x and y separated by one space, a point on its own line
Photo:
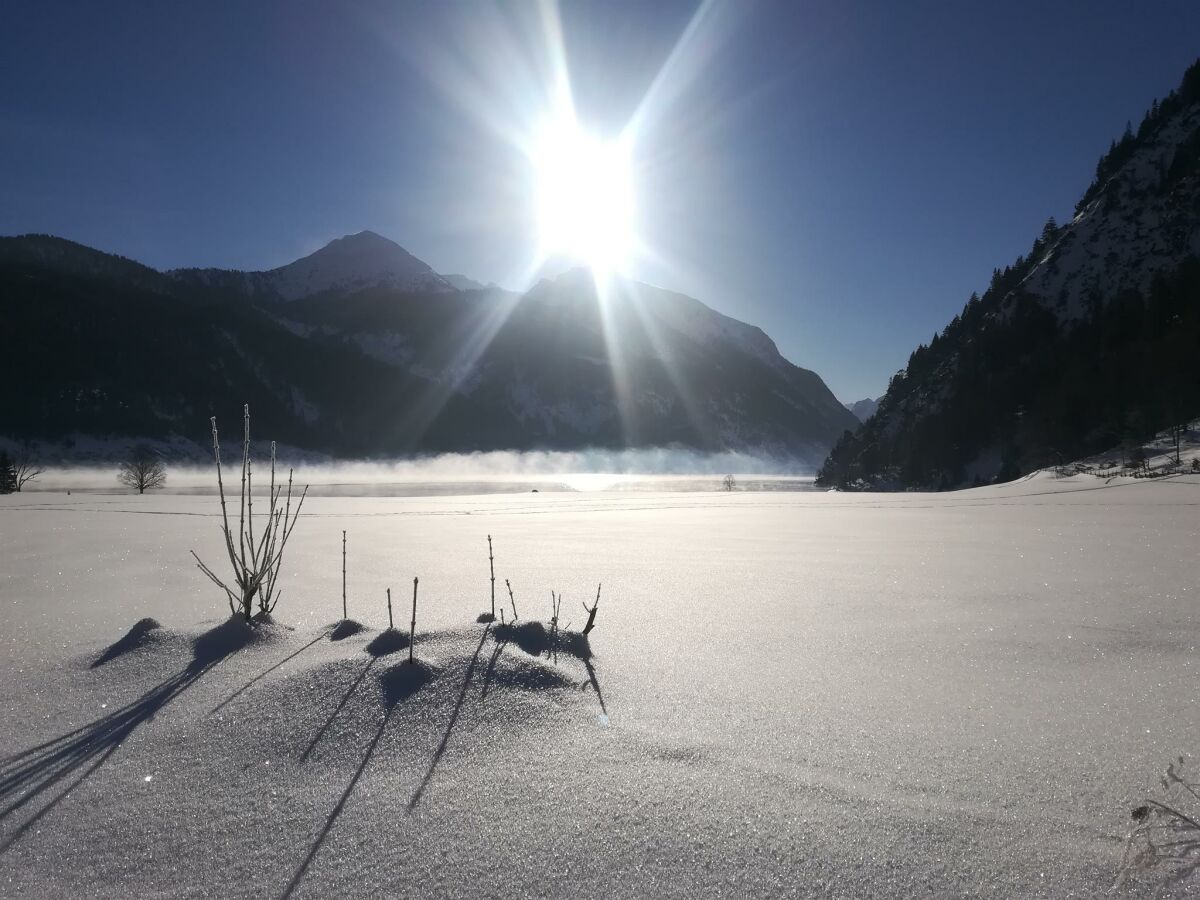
142 470
1034 392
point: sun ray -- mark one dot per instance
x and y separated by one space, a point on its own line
417 419
650 327
512 77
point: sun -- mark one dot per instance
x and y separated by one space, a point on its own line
585 202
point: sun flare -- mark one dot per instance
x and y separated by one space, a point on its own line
585 203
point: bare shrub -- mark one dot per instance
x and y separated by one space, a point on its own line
1166 833
256 561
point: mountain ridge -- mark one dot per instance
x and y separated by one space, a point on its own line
363 367
351 262
1080 344
863 409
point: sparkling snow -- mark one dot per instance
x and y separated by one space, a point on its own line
790 694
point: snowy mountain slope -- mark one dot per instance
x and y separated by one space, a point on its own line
863 409
1140 221
643 367
463 283
1083 343
382 370
346 264
353 262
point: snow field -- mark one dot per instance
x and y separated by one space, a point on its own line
789 695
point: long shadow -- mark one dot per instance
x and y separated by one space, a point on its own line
491 667
534 639
337 810
462 696
28 775
137 636
261 675
595 683
337 709
398 684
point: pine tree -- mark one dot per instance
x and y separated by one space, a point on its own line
8 475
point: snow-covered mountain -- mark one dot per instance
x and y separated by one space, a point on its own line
1136 221
349 263
354 262
1087 341
463 283
361 349
863 409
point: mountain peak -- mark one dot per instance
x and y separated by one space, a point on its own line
353 262
364 237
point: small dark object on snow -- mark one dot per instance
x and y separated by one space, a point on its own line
510 600
492 569
1139 813
412 631
591 622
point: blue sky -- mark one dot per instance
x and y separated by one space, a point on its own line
841 174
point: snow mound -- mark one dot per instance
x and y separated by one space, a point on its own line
232 635
346 628
404 679
388 641
141 634
536 640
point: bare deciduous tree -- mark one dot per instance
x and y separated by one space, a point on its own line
142 471
25 467
256 561
1177 432
729 482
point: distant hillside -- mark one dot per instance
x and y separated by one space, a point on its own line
463 283
362 350
863 409
1087 341
350 263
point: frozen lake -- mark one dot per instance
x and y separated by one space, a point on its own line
324 482
792 694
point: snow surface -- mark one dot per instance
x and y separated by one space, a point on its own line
801 694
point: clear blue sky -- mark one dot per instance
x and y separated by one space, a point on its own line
842 174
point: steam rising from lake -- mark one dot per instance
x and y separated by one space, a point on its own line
654 469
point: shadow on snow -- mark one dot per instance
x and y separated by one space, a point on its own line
137 636
397 684
29 774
